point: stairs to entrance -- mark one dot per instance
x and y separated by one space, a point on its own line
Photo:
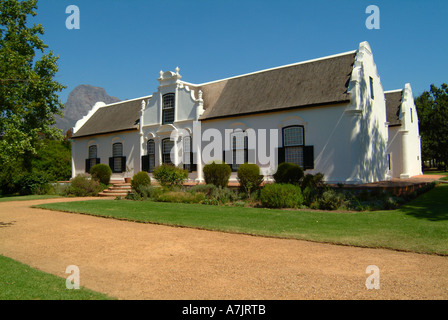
118 189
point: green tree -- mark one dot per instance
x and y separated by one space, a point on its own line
53 159
28 94
432 108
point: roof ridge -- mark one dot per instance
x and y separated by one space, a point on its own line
123 101
274 68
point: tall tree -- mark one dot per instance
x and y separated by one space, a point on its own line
432 108
28 92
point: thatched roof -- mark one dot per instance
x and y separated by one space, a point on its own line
121 116
318 82
312 83
393 105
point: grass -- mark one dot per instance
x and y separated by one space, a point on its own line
26 198
420 226
21 282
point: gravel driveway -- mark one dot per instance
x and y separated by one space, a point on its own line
144 261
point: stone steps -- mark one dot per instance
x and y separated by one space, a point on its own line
119 189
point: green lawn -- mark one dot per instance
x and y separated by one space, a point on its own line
21 282
419 226
25 198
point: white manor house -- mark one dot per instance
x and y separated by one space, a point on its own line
329 115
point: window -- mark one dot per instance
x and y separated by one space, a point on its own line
239 149
167 146
117 162
412 118
168 108
151 155
293 144
187 154
92 158
371 88
93 155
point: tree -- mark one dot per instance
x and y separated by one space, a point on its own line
432 108
28 94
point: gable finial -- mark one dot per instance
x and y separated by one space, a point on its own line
177 70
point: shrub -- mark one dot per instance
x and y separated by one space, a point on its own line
145 193
332 200
140 181
217 174
101 172
182 197
170 176
81 186
215 195
206 189
288 173
312 181
249 177
222 196
32 183
281 196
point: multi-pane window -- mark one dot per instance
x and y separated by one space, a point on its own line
92 158
293 144
239 149
168 108
93 155
187 152
151 155
167 146
117 154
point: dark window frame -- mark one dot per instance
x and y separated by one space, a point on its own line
117 162
308 151
164 153
372 92
168 108
301 146
92 159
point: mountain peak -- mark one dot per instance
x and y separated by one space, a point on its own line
79 102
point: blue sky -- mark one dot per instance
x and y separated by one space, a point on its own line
122 45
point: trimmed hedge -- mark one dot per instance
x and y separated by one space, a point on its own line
140 181
101 172
249 177
288 173
217 174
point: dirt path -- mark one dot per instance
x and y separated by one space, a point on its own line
143 261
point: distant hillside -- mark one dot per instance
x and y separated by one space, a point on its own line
79 102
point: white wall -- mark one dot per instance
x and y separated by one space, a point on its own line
129 139
404 140
369 133
325 129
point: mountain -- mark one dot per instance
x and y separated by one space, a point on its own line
79 102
